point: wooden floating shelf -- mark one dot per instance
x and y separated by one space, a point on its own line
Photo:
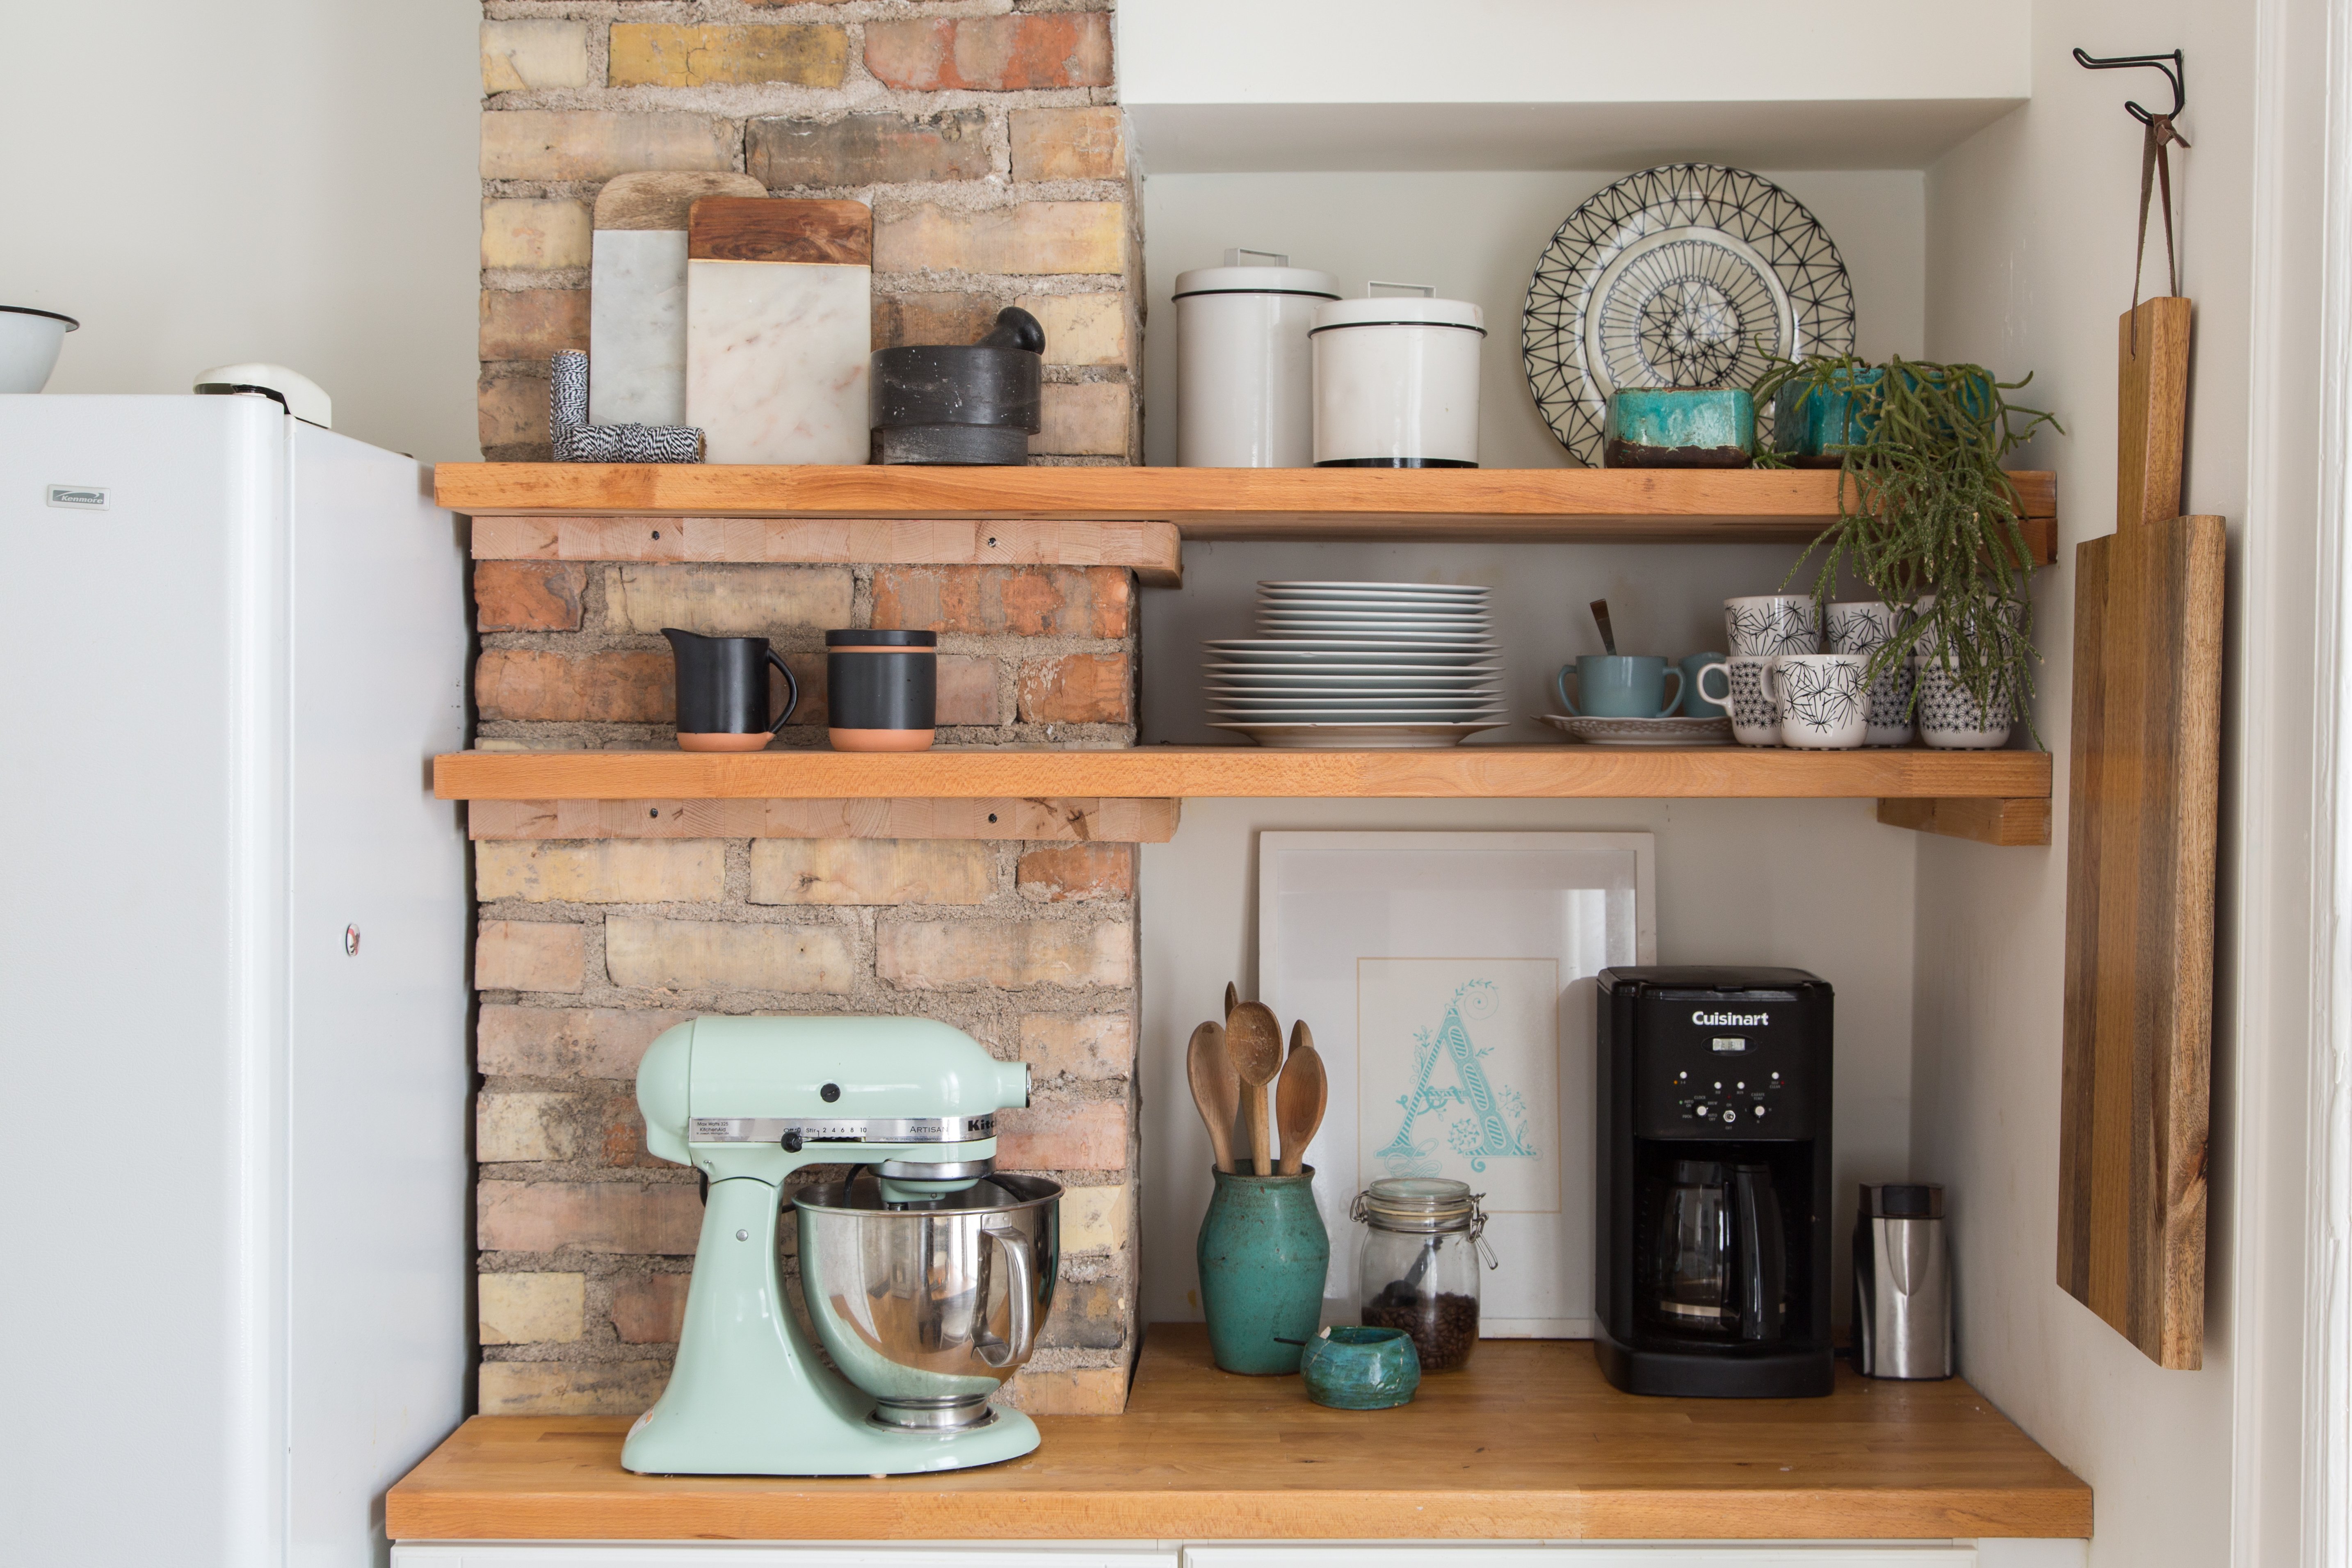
1087 515
1246 772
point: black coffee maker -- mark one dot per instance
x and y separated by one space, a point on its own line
1712 1235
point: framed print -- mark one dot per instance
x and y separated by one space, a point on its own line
1448 981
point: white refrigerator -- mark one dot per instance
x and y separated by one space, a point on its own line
233 985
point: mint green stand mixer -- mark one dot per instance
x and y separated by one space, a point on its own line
926 1276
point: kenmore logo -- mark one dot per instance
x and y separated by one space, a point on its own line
1756 1020
82 498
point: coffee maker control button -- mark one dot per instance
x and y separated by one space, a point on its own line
792 1142
1730 1115
1705 1111
1760 1111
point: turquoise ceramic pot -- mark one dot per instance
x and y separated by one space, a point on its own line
1813 430
1263 1254
1657 428
1361 1369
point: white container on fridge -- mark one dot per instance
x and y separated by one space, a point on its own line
1245 375
1396 381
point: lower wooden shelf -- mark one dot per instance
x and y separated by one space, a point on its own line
1527 1443
1248 773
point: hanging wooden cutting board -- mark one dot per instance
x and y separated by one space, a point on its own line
779 329
2143 804
637 310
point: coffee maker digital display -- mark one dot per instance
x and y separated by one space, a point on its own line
1712 1138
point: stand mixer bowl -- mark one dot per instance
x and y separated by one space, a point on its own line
929 1306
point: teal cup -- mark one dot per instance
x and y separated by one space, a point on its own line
1620 686
1361 1369
1697 703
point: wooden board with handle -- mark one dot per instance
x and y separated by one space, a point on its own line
2143 807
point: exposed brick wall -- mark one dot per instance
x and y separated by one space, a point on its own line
989 147
602 923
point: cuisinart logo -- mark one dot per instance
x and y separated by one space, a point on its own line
1756 1020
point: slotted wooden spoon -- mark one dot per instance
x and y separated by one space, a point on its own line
1253 1040
1299 1099
1215 1091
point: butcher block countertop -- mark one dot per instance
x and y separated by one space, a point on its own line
1527 1443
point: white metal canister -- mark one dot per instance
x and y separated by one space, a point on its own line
1396 381
1244 377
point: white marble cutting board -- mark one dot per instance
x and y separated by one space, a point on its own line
636 309
776 360
637 328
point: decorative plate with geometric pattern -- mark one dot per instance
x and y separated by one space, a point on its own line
1689 274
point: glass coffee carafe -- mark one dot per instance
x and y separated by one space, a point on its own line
1718 1260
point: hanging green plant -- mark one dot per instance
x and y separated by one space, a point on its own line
1927 515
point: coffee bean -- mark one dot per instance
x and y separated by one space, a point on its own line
1445 1327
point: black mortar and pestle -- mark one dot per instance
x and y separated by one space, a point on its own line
976 403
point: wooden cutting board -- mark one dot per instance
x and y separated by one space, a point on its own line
636 310
2143 804
779 329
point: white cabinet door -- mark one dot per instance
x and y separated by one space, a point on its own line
1728 1554
740 1555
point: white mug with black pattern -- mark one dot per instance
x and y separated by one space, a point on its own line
1754 719
1820 696
1767 625
1863 626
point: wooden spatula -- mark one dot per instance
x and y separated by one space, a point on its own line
1215 1091
1253 1040
1299 1099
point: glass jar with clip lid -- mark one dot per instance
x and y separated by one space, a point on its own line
1417 1268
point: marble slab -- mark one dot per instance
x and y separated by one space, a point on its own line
776 360
637 328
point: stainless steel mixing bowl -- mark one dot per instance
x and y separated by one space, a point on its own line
929 1307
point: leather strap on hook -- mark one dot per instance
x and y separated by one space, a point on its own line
2155 169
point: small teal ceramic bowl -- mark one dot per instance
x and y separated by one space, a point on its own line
1349 1368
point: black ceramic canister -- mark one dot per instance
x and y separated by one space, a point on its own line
723 691
882 690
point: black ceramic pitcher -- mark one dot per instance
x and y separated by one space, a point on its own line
723 691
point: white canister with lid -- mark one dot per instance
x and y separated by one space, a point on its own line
1245 375
1396 379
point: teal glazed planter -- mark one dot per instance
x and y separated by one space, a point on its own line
1349 1368
1652 427
1812 429
1263 1253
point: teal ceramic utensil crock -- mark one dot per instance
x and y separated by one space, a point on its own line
1351 1368
1263 1253
1673 428
1695 703
1620 686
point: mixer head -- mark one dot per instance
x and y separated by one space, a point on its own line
914 1097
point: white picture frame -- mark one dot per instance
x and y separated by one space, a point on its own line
1431 967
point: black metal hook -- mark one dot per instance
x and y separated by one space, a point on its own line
2175 72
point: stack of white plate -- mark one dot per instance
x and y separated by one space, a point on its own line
1366 665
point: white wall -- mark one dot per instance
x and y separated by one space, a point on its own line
2029 229
1476 236
284 180
1816 885
1537 84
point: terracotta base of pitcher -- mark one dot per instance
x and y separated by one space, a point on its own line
880 740
757 740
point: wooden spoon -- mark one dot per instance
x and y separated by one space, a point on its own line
1215 1090
1234 997
1299 1099
1253 1040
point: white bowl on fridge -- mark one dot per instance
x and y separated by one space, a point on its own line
29 341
